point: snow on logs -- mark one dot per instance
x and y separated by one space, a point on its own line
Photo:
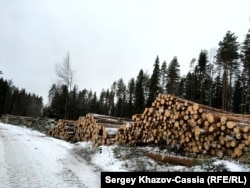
195 128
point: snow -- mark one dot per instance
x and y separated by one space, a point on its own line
29 158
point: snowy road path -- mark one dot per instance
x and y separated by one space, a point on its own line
31 159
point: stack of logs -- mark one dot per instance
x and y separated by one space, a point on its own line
197 129
64 129
100 129
18 120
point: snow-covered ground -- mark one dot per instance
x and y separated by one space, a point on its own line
29 158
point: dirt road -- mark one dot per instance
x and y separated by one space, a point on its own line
29 159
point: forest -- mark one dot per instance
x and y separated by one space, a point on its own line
219 79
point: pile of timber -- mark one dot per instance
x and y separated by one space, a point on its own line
197 129
18 120
64 129
28 121
99 129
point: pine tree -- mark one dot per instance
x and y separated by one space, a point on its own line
173 76
73 100
203 78
64 102
217 90
189 89
107 104
163 77
211 71
139 93
131 96
102 101
4 88
181 92
112 99
245 58
121 98
93 103
54 102
227 56
154 87
146 85
238 106
245 52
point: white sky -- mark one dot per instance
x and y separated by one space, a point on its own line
109 39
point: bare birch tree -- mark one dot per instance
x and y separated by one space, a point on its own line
65 73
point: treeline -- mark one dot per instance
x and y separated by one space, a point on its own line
18 102
219 78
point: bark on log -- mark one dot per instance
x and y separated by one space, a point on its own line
194 127
184 161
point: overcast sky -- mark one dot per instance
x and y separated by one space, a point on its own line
109 39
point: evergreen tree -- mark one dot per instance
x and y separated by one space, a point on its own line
173 76
212 69
203 78
154 87
54 102
238 106
245 58
15 102
102 102
83 102
217 92
73 100
5 96
163 77
112 99
181 92
64 102
196 84
121 98
18 102
93 103
227 56
146 85
190 89
34 104
108 102
139 93
131 97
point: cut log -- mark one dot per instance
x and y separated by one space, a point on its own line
173 159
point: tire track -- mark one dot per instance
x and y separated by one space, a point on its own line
30 160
